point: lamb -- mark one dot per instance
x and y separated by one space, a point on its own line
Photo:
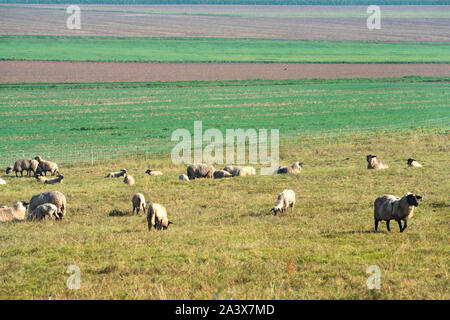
59 179
285 200
14 213
122 173
295 168
42 211
138 202
374 163
413 163
2 181
157 217
219 174
234 170
183 177
200 170
46 165
23 165
54 197
389 207
129 180
151 172
40 178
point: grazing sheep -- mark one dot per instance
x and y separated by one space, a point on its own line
2 181
59 179
157 217
389 207
374 163
54 197
9 169
42 211
295 168
122 173
129 180
200 170
183 177
246 171
234 170
46 165
218 174
14 213
285 200
413 163
153 173
40 178
23 165
138 202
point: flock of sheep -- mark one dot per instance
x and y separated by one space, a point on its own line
53 204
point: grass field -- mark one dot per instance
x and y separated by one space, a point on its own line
121 49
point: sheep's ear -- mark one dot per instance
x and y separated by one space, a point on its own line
419 197
25 204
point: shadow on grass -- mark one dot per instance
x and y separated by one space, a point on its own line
118 213
337 233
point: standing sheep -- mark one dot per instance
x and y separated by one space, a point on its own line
14 213
23 165
413 163
218 174
59 179
374 163
295 168
151 172
389 207
157 217
285 200
54 197
46 165
42 211
200 170
129 180
122 173
183 177
138 202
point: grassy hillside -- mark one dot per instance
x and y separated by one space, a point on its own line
219 50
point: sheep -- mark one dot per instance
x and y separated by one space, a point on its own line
218 174
413 163
138 202
234 170
59 179
285 200
14 213
183 177
46 165
54 197
374 163
9 169
23 165
389 207
122 173
42 211
40 178
157 217
129 180
2 181
295 168
246 171
200 170
150 172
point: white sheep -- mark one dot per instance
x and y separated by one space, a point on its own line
296 167
151 172
45 165
285 200
219 174
23 165
246 171
413 163
138 202
200 170
389 207
14 213
234 170
54 197
374 163
129 180
122 173
183 177
157 217
59 179
40 178
2 181
44 210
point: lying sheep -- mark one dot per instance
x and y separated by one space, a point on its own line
59 179
389 207
138 202
2 181
122 173
234 170
153 173
295 168
413 163
374 163
40 178
183 177
42 211
246 171
157 217
129 180
54 197
219 174
200 170
46 165
14 213
23 165
285 200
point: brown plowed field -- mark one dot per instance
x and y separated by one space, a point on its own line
56 71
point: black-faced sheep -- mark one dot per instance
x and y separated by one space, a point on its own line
219 174
42 211
14 213
138 202
129 180
374 163
413 163
183 177
389 207
46 165
54 197
59 179
151 172
122 173
200 170
157 217
295 168
285 200
234 170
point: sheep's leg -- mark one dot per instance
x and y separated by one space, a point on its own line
404 227
133 211
400 225
376 225
387 225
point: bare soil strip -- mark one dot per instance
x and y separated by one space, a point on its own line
66 71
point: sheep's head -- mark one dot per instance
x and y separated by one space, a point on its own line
23 203
412 199
38 158
9 169
371 159
61 176
410 160
148 171
275 210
